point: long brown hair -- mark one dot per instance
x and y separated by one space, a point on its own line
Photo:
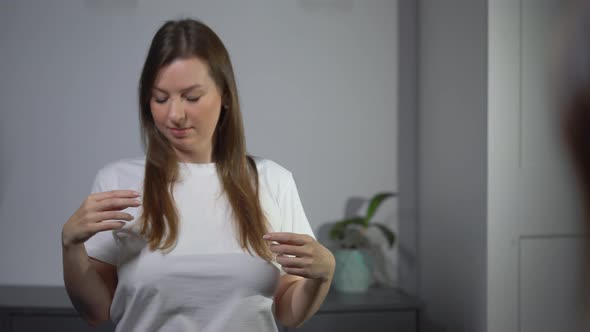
236 170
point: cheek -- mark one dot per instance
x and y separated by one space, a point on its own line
158 113
206 115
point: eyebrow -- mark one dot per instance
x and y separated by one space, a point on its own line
182 90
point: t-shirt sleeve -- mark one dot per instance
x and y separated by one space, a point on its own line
102 245
292 213
293 216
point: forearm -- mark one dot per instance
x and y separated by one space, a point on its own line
84 286
302 300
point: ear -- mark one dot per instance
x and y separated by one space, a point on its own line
225 101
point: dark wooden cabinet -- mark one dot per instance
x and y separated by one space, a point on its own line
29 320
374 321
378 309
38 309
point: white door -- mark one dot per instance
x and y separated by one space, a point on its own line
534 226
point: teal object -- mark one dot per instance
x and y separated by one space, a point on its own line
353 270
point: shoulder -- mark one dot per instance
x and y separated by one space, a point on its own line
274 178
123 167
271 170
122 171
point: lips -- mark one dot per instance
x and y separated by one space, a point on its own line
179 132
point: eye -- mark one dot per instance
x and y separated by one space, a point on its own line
193 99
160 101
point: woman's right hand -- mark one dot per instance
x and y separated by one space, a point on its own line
97 207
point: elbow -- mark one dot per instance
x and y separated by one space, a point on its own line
96 319
296 326
92 321
292 324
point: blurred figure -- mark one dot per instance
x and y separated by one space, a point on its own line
574 94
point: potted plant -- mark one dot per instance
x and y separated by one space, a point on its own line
353 260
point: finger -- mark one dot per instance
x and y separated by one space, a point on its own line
297 271
293 261
112 204
289 238
98 217
105 226
114 194
287 249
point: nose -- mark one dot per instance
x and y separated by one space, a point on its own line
176 112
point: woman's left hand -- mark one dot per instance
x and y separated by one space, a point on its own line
312 260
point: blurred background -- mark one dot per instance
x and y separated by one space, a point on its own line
448 103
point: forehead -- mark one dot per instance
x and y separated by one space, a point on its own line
181 73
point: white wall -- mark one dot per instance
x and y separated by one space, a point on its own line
452 157
408 145
318 81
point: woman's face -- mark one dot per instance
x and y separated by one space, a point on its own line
185 105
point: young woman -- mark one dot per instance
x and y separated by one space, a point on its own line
197 235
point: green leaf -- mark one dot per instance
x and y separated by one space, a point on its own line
337 231
387 232
355 220
374 204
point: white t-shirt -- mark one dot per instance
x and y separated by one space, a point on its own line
207 282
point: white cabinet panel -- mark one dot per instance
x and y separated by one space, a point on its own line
550 275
